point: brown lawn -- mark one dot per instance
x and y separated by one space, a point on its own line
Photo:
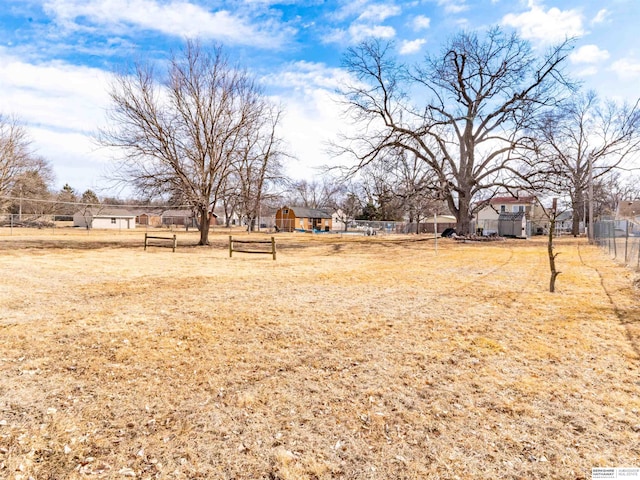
354 358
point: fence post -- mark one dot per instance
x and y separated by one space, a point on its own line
230 246
609 237
626 241
175 243
145 241
273 247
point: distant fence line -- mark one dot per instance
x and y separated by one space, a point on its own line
621 239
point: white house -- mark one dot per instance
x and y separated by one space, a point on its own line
105 218
488 217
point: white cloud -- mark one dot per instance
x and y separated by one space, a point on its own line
380 12
313 114
62 106
178 18
300 75
626 68
407 47
349 8
546 26
587 72
453 6
358 32
600 17
589 54
56 94
421 22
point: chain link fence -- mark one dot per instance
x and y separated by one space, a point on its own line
621 239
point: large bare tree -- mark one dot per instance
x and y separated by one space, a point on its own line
180 133
588 132
464 112
15 155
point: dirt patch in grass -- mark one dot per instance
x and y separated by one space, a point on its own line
345 358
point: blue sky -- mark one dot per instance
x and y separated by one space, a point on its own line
56 57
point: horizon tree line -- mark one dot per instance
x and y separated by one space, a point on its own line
485 115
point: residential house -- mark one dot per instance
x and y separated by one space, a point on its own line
289 219
108 218
488 218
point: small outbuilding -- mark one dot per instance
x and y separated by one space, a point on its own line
289 219
105 218
178 217
512 225
150 218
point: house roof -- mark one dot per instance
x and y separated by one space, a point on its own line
302 212
529 199
177 213
156 212
106 212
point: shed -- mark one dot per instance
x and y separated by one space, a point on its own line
151 218
512 225
289 219
184 218
107 218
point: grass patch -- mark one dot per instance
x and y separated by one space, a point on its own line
345 358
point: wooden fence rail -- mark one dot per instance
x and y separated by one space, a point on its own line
249 248
162 241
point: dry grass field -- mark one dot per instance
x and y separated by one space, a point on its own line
349 358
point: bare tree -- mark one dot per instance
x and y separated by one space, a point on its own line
587 131
31 189
259 165
317 193
15 155
346 203
181 135
477 98
380 186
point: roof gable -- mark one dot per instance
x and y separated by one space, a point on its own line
302 212
105 212
528 200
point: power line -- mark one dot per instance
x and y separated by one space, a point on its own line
84 204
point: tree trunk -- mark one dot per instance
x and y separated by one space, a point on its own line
463 223
552 256
204 226
577 205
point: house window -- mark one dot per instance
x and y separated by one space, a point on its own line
518 208
113 220
285 211
503 209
